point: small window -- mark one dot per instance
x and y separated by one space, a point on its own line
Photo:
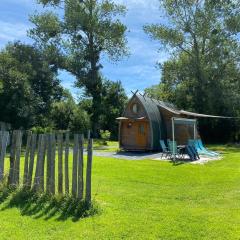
135 108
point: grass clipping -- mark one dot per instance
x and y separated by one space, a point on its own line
47 206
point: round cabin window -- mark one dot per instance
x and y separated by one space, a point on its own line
135 108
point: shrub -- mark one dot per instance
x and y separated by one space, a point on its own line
105 136
41 130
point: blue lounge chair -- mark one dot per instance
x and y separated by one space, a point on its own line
194 143
200 143
165 150
190 153
194 151
200 149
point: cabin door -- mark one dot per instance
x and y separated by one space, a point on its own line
142 134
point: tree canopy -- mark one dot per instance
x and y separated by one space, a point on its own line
31 95
28 86
76 41
66 114
203 72
113 103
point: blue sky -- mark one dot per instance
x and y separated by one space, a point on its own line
136 72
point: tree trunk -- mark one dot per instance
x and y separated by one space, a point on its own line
95 87
96 108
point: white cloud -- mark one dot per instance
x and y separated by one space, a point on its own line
144 4
143 48
134 74
12 31
137 72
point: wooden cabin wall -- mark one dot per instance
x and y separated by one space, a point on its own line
128 135
128 138
167 118
130 114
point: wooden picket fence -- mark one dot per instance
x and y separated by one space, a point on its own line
46 165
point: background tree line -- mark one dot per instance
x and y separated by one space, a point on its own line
31 95
203 73
30 92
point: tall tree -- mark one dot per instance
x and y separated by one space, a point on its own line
203 71
114 102
76 41
28 86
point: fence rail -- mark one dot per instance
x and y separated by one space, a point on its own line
46 162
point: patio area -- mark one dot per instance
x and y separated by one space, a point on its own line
151 156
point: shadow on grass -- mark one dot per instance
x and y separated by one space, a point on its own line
46 206
180 161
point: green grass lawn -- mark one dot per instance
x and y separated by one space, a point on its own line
147 200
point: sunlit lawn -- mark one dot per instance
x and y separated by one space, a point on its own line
147 200
110 147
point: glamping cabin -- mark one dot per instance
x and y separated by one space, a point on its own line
145 121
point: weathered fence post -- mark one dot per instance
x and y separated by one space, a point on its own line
1 161
4 142
74 166
1 139
66 163
60 162
31 161
12 158
88 134
42 162
80 167
26 162
49 158
53 154
40 156
16 168
37 161
89 172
